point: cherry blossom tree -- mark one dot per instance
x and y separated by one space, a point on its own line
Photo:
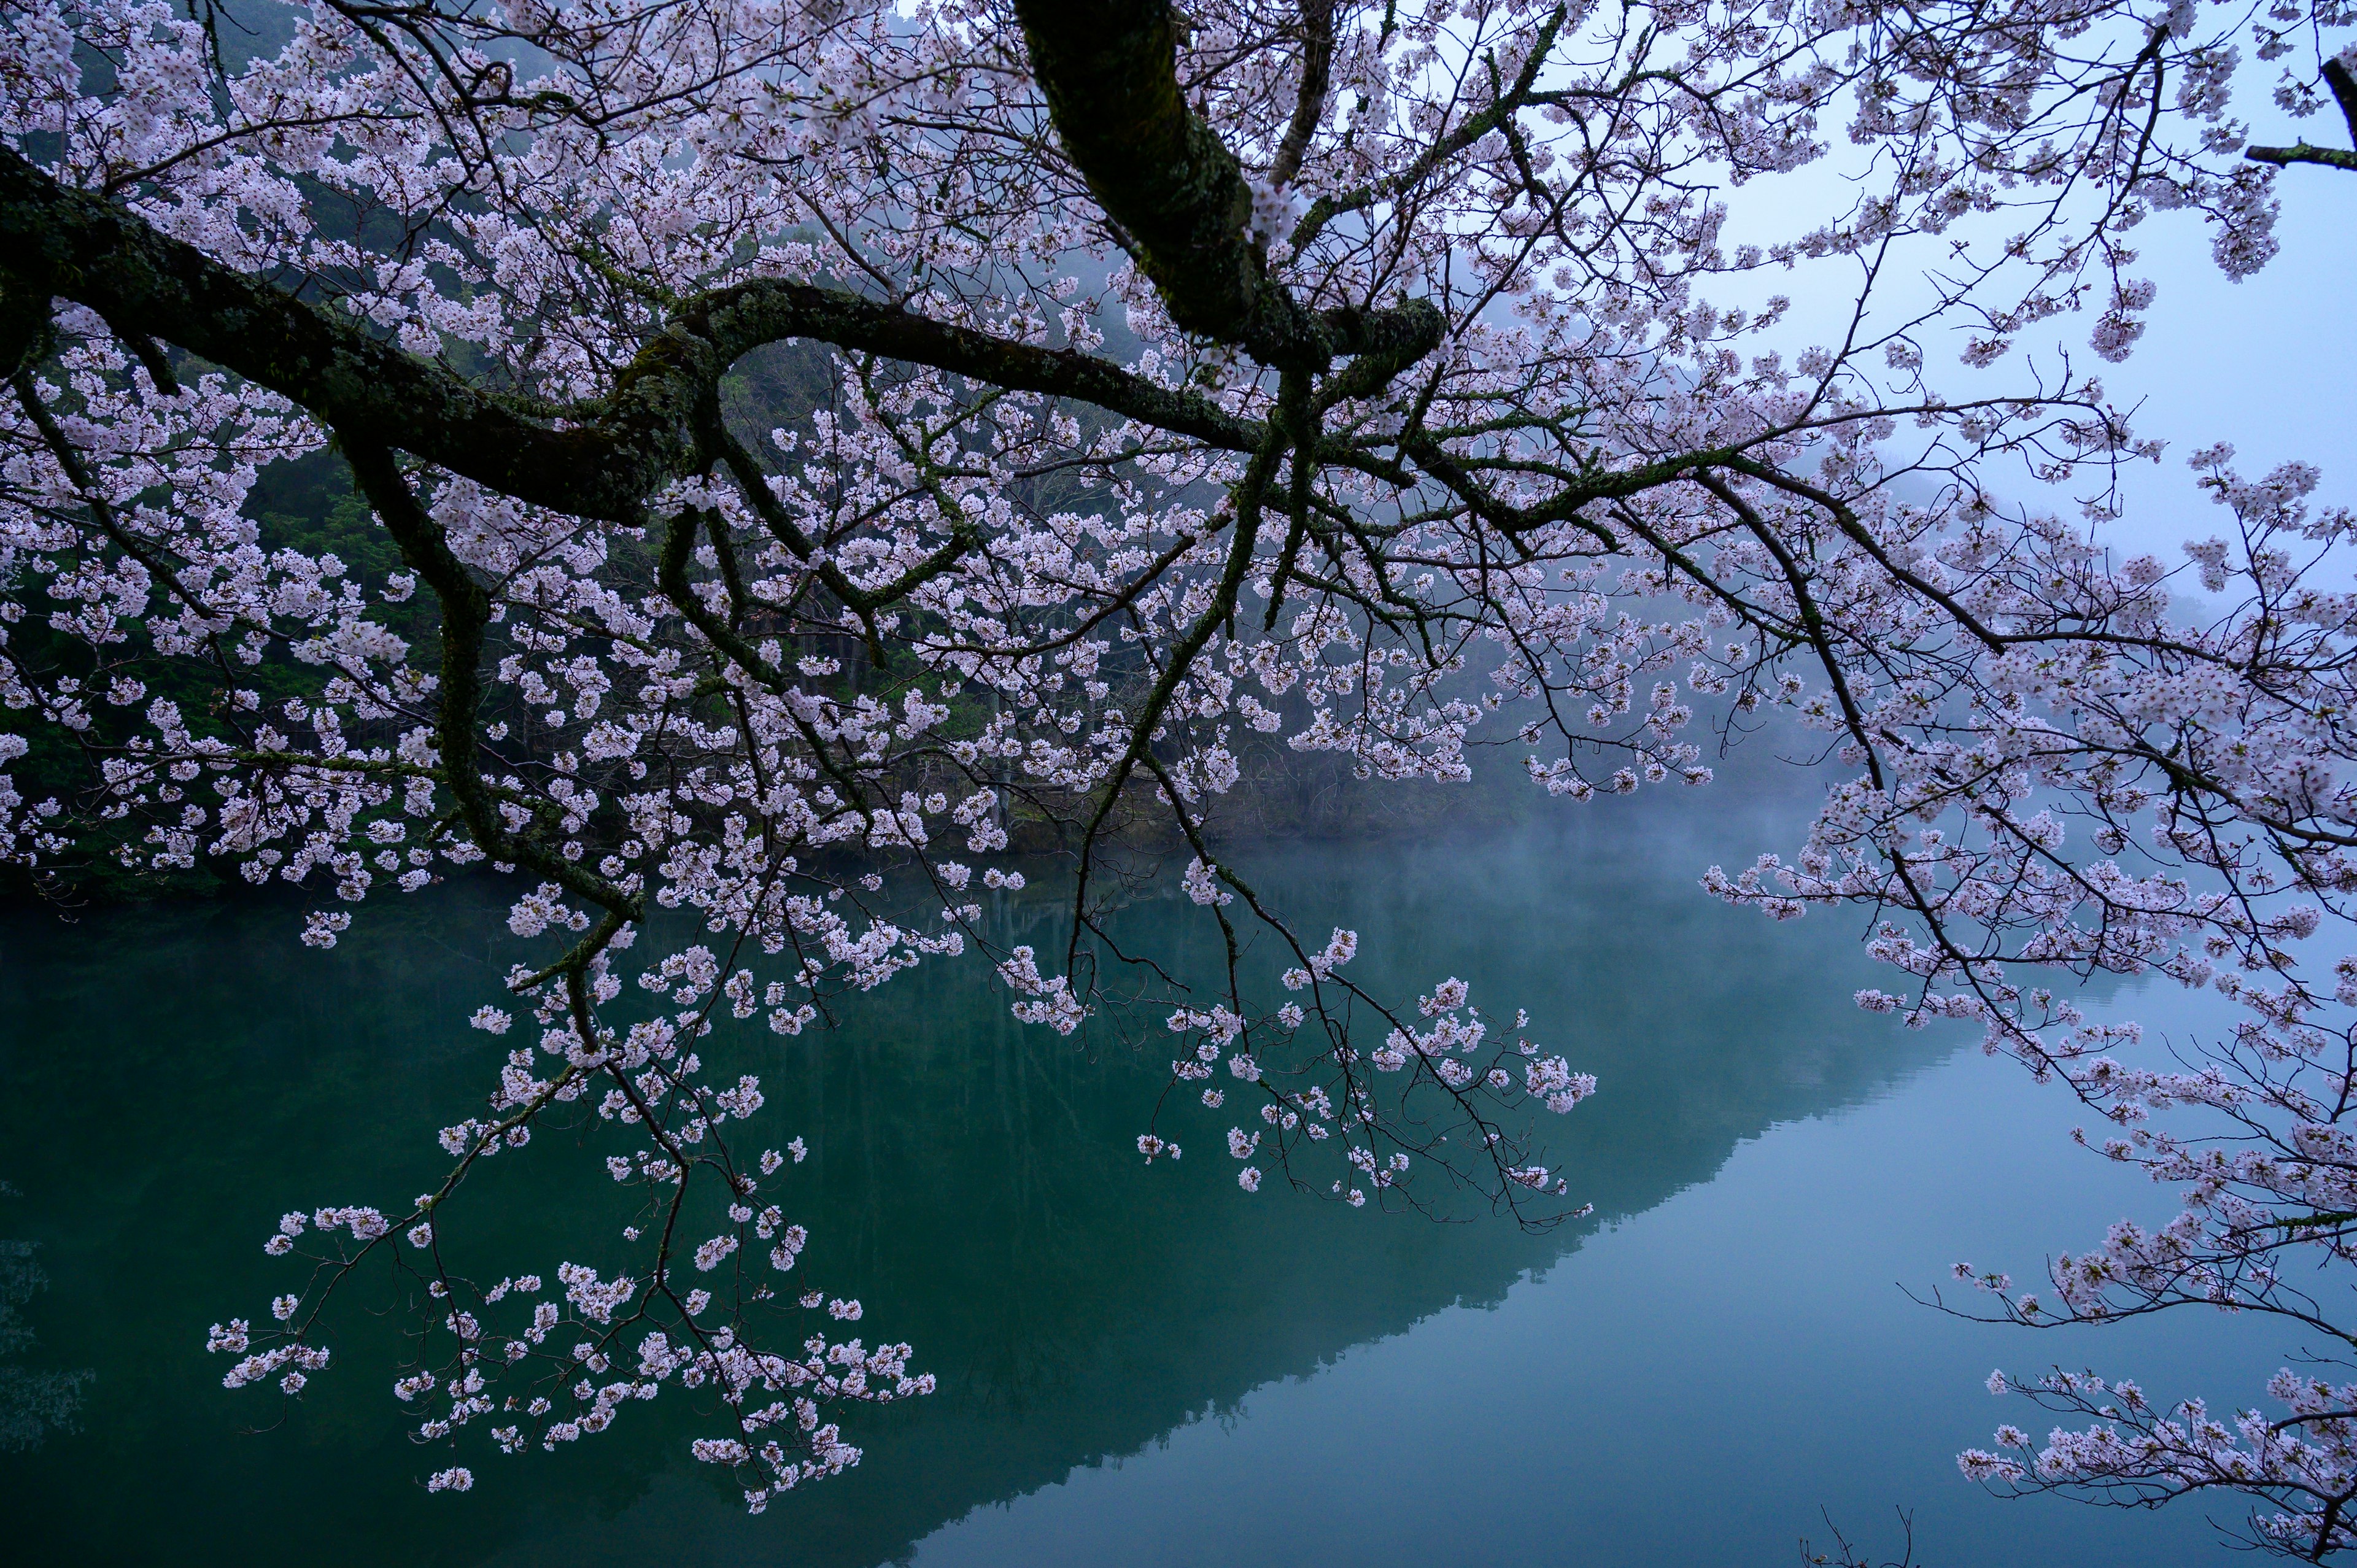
1347 373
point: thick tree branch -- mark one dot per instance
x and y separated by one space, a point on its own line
1110 71
2302 152
1317 74
465 618
55 241
2344 92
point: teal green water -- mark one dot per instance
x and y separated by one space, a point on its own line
1136 1365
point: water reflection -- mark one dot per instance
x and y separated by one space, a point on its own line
180 1075
35 1400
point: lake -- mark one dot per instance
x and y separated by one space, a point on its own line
1138 1365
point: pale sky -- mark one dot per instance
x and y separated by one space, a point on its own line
2268 364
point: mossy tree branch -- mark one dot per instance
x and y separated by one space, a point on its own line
2344 92
57 241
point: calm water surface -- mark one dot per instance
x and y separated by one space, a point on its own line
1138 1366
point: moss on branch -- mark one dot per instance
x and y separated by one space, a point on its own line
59 241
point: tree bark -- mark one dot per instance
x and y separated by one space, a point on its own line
603 462
1109 69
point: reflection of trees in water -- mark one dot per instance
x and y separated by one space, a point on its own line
972 1179
34 1401
1079 1308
